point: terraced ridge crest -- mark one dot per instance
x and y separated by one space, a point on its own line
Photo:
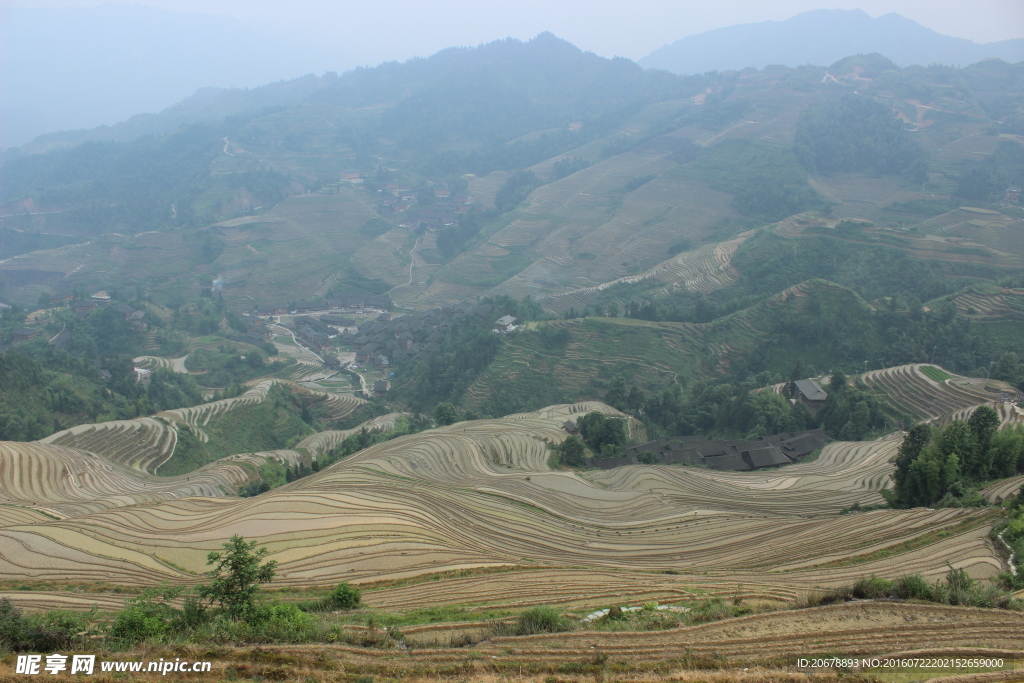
927 399
145 443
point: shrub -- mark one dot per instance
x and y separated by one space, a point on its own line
958 589
49 632
713 609
343 596
148 615
572 452
534 620
134 624
541 620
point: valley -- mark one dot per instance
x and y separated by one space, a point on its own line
428 336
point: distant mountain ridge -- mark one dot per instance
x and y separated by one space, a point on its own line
822 37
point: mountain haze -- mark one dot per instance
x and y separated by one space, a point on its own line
822 37
116 60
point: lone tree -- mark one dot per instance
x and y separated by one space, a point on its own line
446 414
572 452
237 576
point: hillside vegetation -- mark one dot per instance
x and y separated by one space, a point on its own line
278 333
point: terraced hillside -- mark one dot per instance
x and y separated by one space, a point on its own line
649 354
289 252
701 270
928 399
480 494
65 482
991 228
990 302
144 444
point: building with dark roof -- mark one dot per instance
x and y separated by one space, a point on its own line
23 334
810 394
768 451
504 323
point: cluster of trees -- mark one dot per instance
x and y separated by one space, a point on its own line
987 180
857 134
14 241
272 424
568 166
736 410
604 435
45 394
769 263
227 364
515 189
269 476
939 465
493 95
453 240
1013 534
768 182
849 413
1008 369
467 349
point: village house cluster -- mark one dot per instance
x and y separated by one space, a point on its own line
737 456
443 211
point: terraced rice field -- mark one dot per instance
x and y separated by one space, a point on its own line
863 197
907 387
480 494
990 228
854 629
1001 490
991 303
290 252
45 479
568 235
145 443
321 442
702 270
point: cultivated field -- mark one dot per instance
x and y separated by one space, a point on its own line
145 443
481 494
927 399
702 270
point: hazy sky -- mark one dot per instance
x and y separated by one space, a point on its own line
369 32
84 67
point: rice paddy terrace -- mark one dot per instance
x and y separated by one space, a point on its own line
480 494
990 302
145 443
702 270
939 396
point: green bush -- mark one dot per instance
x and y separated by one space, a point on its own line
343 596
572 452
134 624
50 632
958 589
541 620
268 623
